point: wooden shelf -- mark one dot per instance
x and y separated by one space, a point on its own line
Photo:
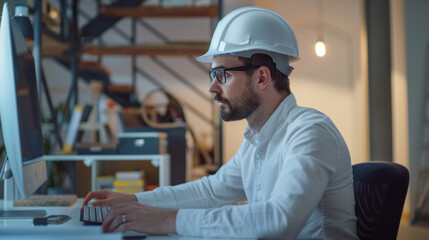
52 48
94 65
154 11
171 49
120 88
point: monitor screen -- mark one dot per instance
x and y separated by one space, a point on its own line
28 110
19 109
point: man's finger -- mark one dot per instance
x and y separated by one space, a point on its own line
123 227
88 197
107 221
102 202
114 223
102 194
110 218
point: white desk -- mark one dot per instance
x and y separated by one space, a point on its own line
72 229
162 161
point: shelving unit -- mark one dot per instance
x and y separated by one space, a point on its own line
162 162
70 45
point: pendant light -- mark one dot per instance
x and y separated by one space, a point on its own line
320 47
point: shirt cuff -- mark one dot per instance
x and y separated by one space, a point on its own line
145 198
187 223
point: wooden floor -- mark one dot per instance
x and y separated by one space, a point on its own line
407 231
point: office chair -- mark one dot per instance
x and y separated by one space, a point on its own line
380 189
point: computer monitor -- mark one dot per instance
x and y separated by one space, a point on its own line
19 109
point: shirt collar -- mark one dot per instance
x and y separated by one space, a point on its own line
273 122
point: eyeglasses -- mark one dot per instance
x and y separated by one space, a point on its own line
219 73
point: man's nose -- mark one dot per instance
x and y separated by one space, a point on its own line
214 87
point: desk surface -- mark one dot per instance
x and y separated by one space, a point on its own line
72 229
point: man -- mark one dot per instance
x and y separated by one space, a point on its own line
293 166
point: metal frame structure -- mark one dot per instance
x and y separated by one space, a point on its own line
69 31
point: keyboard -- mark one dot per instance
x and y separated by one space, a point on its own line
91 215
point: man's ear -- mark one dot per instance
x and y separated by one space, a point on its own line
264 77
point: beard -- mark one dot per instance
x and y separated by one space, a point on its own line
241 107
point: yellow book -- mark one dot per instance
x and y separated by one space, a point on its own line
128 183
129 190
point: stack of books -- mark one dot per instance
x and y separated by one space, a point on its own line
105 182
129 182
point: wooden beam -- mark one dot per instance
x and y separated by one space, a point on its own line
154 11
171 49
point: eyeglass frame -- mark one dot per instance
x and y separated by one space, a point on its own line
213 72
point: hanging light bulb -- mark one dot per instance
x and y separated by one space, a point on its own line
320 48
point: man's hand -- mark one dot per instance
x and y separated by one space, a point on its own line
108 198
140 218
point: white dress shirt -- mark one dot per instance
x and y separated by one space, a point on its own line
295 173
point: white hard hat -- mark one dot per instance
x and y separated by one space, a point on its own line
249 30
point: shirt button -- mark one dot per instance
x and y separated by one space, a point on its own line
258 156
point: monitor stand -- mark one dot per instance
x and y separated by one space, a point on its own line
6 176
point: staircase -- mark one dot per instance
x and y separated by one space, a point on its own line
89 71
98 25
106 19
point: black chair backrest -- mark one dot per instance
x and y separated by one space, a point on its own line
380 189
